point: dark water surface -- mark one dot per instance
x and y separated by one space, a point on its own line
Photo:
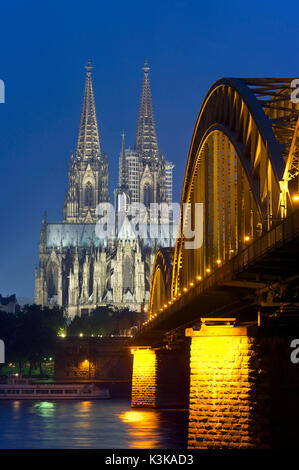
89 424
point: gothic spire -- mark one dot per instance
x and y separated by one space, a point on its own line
88 145
123 173
146 143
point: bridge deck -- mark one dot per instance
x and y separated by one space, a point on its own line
232 288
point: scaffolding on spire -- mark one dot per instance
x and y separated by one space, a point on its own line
123 184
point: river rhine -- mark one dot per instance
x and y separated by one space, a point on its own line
110 424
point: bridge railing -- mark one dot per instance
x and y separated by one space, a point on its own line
283 232
280 234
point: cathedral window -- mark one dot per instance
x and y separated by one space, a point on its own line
88 195
128 274
147 195
52 280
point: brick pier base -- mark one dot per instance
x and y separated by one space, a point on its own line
161 377
244 389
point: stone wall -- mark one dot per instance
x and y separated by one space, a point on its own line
161 377
244 389
103 360
144 379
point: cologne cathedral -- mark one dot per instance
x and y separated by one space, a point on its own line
80 270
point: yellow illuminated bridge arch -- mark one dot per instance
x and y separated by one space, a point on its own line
243 167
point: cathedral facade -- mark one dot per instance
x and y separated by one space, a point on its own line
79 269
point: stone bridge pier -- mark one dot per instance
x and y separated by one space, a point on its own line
239 383
161 376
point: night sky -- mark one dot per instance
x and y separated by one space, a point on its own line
44 47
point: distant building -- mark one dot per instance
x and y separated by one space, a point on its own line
79 270
107 361
9 304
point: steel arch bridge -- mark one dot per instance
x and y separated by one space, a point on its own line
243 167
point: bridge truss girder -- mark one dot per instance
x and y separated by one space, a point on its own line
242 160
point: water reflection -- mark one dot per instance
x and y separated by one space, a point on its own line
46 409
110 424
143 427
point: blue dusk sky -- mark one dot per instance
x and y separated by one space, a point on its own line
44 47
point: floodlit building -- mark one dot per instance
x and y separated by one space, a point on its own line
79 267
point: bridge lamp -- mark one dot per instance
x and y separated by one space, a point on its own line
246 238
199 278
81 334
174 298
218 261
185 289
191 284
208 270
296 198
179 294
165 305
161 309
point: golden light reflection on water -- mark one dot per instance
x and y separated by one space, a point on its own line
85 411
86 405
143 427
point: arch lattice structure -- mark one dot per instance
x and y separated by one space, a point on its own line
160 291
242 167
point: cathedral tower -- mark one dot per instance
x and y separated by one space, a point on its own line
79 269
88 172
144 174
152 183
146 143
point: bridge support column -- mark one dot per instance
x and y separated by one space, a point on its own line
144 379
161 377
243 388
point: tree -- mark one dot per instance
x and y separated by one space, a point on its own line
104 321
31 334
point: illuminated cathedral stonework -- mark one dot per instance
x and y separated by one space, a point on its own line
79 270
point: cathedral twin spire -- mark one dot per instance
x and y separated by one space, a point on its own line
146 143
88 145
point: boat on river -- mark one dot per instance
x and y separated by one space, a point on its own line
19 388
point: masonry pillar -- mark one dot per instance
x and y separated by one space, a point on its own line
144 378
244 388
161 377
